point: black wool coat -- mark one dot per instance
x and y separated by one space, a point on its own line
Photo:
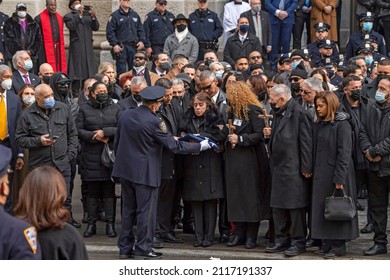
332 164
291 148
203 173
93 116
242 170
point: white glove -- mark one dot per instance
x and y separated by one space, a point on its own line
204 145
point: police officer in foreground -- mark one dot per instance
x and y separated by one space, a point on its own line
18 239
206 27
126 35
158 26
139 140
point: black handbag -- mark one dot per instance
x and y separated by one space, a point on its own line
107 157
339 208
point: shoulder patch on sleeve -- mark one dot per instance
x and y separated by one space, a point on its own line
163 126
31 236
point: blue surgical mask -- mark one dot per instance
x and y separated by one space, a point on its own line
294 64
367 26
244 28
330 73
28 65
219 75
368 60
380 97
49 102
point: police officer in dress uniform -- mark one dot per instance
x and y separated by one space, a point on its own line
158 26
18 239
206 27
3 18
139 140
322 31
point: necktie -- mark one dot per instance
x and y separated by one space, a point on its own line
257 18
3 118
281 5
26 80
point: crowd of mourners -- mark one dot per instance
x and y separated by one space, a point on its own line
280 128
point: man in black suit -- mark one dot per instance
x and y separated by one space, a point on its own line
10 109
133 101
22 62
259 25
139 140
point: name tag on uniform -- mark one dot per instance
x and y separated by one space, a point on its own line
135 19
156 19
211 20
121 19
237 122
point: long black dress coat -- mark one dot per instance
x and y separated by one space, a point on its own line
291 149
242 170
203 173
333 164
93 116
81 58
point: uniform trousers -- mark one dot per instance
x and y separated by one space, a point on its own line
378 194
205 217
290 226
125 59
139 202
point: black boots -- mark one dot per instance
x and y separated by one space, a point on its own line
92 217
91 229
110 230
109 208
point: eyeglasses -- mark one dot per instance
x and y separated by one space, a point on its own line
255 57
207 87
295 80
139 57
64 83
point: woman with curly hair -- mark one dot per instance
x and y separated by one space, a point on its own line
242 170
203 173
41 203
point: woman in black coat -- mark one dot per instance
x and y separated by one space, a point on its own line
96 124
333 169
242 169
203 173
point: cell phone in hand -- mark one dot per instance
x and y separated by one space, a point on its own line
54 137
87 8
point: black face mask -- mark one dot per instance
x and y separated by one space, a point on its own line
274 108
137 97
178 98
295 87
208 62
355 94
101 98
46 79
261 96
166 66
64 91
126 92
181 27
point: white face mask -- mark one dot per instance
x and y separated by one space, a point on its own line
77 7
22 14
6 84
28 100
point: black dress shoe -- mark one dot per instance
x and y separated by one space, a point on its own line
157 243
148 256
197 243
369 228
359 207
110 230
206 243
294 251
90 231
376 250
235 242
250 243
168 237
73 222
126 256
224 238
276 247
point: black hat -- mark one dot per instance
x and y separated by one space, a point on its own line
327 44
5 159
299 53
184 77
284 58
366 16
63 79
152 93
21 6
179 17
71 3
341 65
321 26
161 1
365 48
299 71
203 1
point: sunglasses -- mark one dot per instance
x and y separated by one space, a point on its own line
207 87
305 92
139 57
295 80
64 83
255 57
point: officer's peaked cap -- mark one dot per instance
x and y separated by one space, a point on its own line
5 158
321 26
152 93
